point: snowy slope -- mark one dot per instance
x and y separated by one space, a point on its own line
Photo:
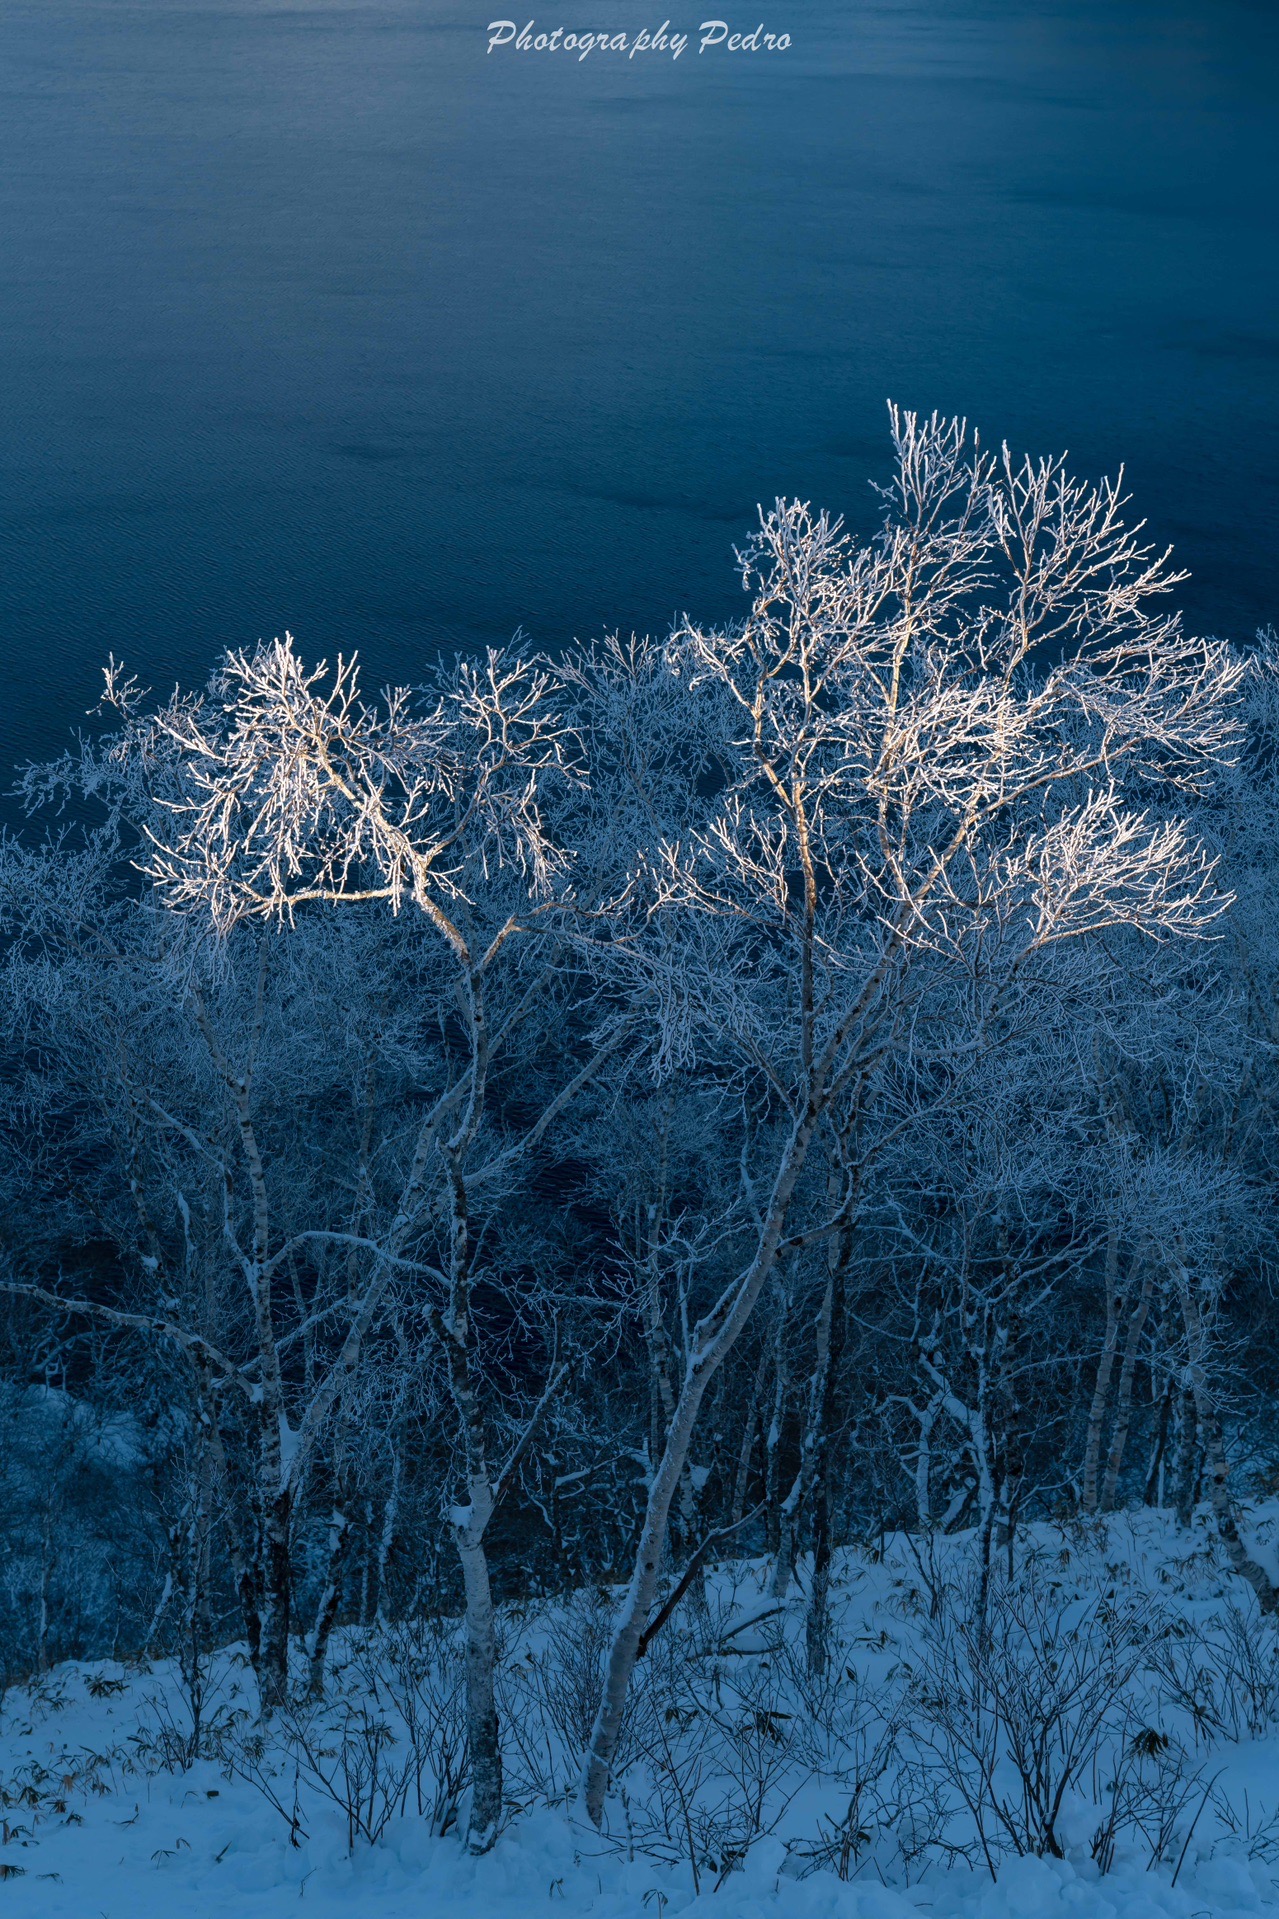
96 1824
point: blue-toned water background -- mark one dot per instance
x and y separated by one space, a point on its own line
316 315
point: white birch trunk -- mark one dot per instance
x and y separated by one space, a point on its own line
713 1339
468 1527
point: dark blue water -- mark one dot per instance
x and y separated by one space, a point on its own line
313 315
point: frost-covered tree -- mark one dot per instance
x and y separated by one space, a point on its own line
941 745
725 1090
282 790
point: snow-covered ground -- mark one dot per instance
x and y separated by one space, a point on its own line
97 1823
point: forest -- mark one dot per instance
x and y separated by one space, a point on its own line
523 1194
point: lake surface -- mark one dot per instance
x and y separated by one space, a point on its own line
317 315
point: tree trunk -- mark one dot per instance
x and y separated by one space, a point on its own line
1123 1403
712 1340
773 1443
750 1428
1214 1448
386 1538
787 1537
986 1549
1105 1367
927 1416
798 1504
638 1604
1184 1472
831 1346
1153 1495
276 1594
469 1523
326 1612
481 1665
661 1386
